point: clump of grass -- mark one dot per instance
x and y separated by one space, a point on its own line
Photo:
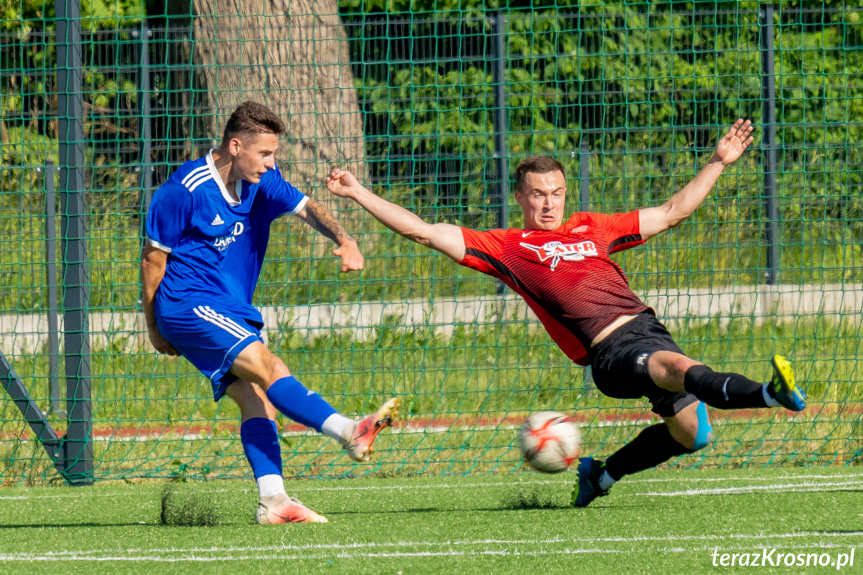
184 507
528 496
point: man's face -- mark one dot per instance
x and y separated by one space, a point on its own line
254 155
541 199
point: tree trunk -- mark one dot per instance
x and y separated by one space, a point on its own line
292 56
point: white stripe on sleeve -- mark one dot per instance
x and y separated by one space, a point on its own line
198 181
194 173
157 245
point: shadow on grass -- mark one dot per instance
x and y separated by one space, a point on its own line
533 497
65 525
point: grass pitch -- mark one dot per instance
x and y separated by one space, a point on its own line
668 521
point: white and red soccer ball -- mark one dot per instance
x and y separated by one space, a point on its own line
549 441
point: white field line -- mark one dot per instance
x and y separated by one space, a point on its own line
350 552
850 481
571 479
720 479
468 542
784 488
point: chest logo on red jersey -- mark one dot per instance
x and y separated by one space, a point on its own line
556 251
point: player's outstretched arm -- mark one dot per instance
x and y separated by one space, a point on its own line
153 264
681 205
320 219
445 238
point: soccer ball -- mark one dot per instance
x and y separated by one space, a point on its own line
549 441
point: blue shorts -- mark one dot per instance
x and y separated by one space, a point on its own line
211 340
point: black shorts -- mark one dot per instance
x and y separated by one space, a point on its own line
619 364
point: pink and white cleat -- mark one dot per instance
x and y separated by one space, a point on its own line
288 511
359 446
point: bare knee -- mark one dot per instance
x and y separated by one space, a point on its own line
251 399
258 364
276 368
667 369
691 427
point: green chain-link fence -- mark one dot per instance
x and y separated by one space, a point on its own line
431 109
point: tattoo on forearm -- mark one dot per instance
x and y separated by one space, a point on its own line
324 222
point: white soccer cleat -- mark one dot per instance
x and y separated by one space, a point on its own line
289 511
359 446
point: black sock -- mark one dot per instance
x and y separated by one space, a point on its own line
653 446
723 390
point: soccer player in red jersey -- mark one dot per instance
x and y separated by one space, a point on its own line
563 271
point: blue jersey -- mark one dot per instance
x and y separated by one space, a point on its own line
216 244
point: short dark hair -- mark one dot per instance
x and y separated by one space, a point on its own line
251 118
536 165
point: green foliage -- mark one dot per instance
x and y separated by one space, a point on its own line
109 14
30 52
29 149
24 16
657 82
647 89
20 16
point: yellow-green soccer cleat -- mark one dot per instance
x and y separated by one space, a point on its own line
782 386
359 446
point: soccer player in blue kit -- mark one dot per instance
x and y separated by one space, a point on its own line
208 228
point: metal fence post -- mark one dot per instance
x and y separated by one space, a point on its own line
145 170
500 128
144 122
77 445
769 142
51 276
584 205
583 176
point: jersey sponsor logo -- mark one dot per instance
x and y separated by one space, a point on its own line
223 242
217 221
556 251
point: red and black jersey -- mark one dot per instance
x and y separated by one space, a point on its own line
564 275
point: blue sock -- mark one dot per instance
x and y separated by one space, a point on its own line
260 441
303 406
